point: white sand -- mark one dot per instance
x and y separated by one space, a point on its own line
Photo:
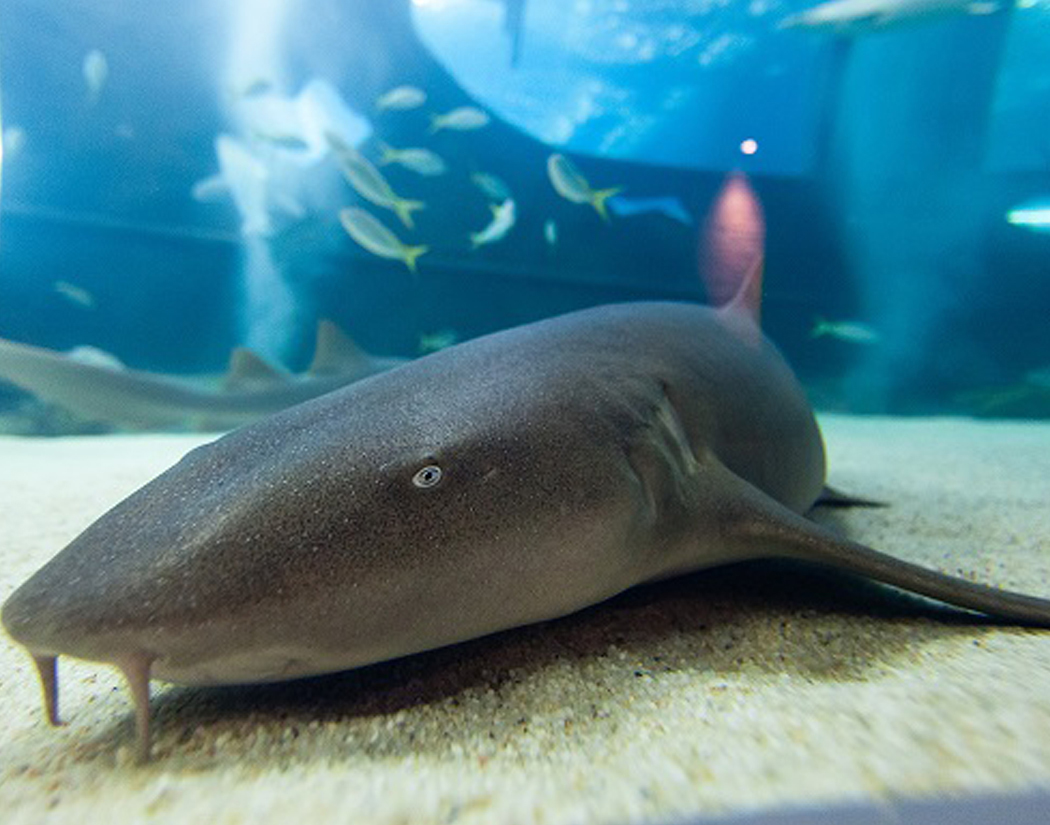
729 690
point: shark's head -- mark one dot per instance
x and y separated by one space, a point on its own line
410 510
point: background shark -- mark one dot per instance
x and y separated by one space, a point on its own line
102 390
858 16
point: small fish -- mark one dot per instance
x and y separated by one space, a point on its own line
286 141
571 185
1033 215
377 239
77 294
421 161
855 332
401 98
211 189
550 232
463 119
503 218
96 72
668 206
255 88
369 182
493 187
433 341
14 140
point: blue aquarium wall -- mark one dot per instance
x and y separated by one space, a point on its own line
170 189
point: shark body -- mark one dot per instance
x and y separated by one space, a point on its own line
509 479
102 390
858 16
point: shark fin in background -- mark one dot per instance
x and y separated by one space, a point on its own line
335 352
249 370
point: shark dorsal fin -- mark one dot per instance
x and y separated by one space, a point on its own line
748 298
743 312
250 370
336 351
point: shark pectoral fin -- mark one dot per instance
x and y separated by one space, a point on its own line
249 371
758 526
136 670
336 353
47 667
833 497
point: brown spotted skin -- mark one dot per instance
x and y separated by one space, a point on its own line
572 456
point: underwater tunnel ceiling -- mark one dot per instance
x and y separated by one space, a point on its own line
671 82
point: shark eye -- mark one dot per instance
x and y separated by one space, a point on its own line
428 476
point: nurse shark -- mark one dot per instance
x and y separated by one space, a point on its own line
510 479
858 16
99 388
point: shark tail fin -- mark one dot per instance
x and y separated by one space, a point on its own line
405 208
600 196
336 352
249 370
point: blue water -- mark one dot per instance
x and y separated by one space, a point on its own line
886 162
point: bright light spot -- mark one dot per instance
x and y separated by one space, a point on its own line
749 146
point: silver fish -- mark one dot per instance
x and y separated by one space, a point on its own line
503 218
369 182
377 239
420 161
463 119
571 185
855 332
401 98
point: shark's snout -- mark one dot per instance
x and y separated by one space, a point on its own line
50 615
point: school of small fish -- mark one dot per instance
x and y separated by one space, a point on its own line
565 178
371 186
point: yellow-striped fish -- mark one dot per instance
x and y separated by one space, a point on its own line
571 185
377 239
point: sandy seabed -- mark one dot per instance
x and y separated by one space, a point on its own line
759 686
